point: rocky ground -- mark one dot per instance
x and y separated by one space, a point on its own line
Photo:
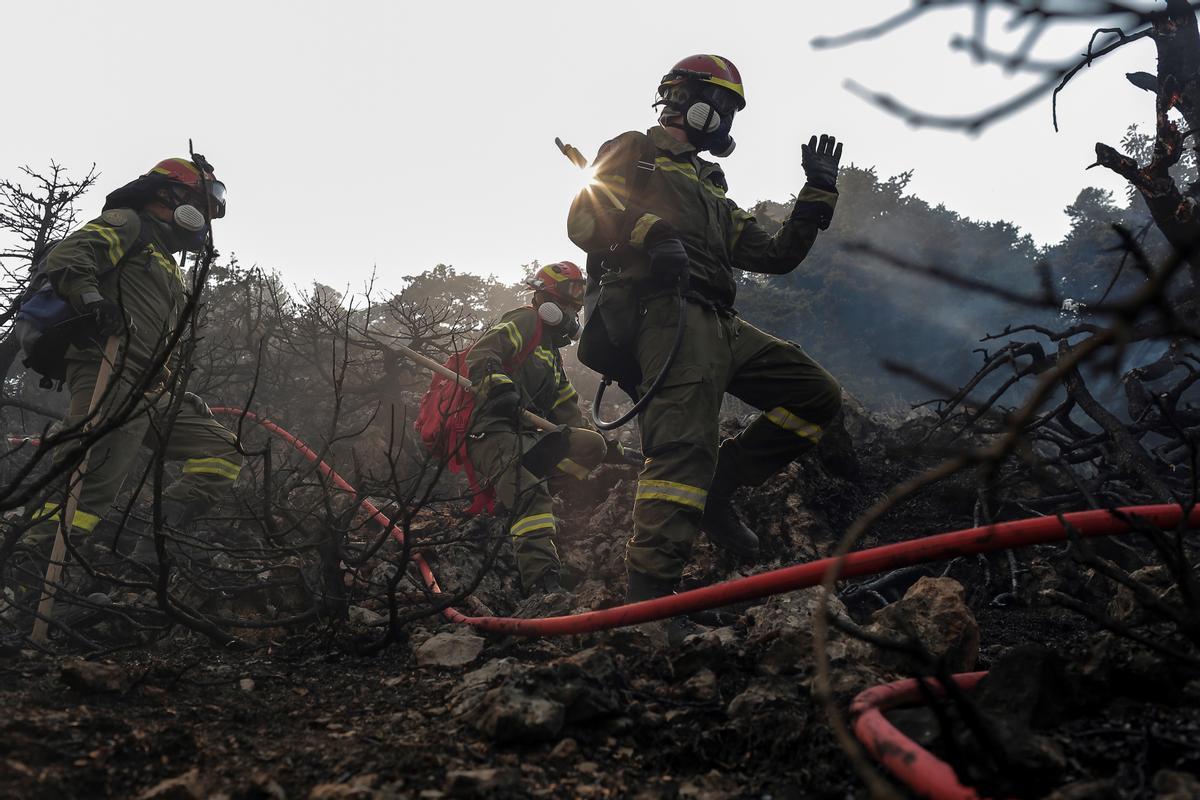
1070 711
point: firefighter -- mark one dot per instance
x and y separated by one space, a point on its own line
681 233
139 297
517 364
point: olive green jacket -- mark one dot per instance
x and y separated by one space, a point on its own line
687 193
541 379
148 286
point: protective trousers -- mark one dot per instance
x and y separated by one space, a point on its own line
684 466
518 466
211 462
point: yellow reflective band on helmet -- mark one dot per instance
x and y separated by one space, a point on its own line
115 249
645 222
514 334
572 468
212 466
790 422
671 492
527 525
565 394
736 88
82 520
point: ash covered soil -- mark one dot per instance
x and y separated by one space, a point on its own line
653 711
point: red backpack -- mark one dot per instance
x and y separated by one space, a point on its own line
444 417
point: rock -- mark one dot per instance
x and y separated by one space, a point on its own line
1086 790
359 788
565 750
1172 785
89 676
708 650
246 684
449 650
762 693
934 611
478 782
357 615
261 786
711 786
702 686
1127 608
184 787
508 714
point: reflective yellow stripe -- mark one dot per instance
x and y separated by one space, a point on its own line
115 250
571 468
740 220
527 525
643 226
671 492
212 466
547 357
565 394
514 334
82 520
496 378
670 165
166 262
790 422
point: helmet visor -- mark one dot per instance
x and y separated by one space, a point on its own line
573 289
216 193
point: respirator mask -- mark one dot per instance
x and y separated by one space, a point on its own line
708 113
565 326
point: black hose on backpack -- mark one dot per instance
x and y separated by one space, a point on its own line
640 403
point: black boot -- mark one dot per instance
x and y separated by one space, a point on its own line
548 583
725 528
644 587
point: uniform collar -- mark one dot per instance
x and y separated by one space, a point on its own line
665 141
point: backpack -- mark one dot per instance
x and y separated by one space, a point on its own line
47 324
444 416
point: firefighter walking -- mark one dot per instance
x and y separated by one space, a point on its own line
517 364
120 271
680 232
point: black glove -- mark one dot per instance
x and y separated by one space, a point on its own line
197 404
820 161
504 400
669 261
110 319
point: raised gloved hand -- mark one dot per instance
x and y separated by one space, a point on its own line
110 319
197 403
669 260
820 161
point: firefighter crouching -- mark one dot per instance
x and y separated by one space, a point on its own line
120 270
517 364
681 232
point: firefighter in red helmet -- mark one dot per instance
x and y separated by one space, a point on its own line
675 230
120 271
517 364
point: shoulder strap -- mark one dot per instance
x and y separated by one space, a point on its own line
642 170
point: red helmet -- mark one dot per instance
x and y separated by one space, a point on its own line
709 69
183 171
563 281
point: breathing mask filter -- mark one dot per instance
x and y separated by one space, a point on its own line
566 327
707 117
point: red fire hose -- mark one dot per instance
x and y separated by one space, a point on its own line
939 547
924 773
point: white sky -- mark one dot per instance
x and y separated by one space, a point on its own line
393 136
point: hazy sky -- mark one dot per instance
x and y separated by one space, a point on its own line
393 136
